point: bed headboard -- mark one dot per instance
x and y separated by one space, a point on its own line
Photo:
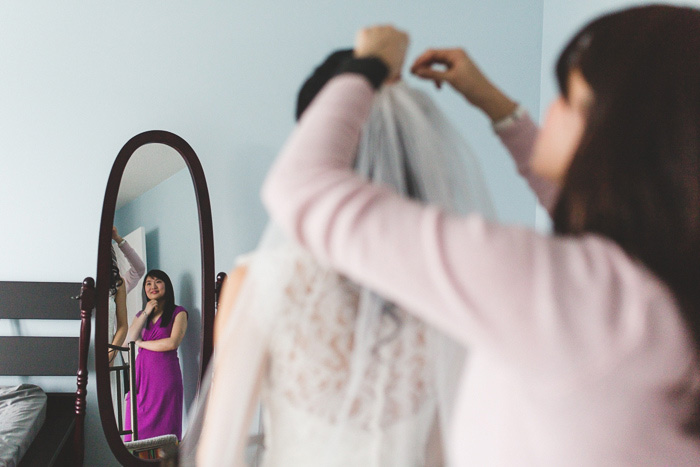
51 356
39 356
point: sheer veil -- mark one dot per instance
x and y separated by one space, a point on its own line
375 381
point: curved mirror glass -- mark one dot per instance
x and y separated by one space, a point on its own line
156 228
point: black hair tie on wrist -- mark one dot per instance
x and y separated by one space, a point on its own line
340 61
373 68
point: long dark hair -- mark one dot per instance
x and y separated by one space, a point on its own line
168 298
636 175
115 279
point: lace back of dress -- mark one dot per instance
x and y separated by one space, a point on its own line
362 377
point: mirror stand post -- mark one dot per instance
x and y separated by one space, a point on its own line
132 392
87 304
220 279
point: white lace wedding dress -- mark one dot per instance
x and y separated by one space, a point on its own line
323 404
345 379
307 410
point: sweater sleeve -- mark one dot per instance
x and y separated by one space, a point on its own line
497 287
136 267
519 138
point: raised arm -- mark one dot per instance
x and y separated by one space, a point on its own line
465 77
504 288
136 266
518 134
512 124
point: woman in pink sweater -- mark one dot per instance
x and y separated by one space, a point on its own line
583 344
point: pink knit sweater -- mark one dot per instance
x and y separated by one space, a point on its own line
578 354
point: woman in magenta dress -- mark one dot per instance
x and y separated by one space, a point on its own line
158 331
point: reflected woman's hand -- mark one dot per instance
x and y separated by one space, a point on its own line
151 307
115 235
140 321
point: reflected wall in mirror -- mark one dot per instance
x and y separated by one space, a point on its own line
157 206
154 318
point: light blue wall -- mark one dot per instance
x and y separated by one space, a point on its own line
561 20
168 214
81 78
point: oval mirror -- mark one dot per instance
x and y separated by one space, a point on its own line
155 254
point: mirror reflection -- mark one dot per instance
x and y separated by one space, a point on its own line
154 315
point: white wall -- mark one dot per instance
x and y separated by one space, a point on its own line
79 79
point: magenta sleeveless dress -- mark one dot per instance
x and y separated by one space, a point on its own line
158 385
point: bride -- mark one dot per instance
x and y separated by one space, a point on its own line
345 377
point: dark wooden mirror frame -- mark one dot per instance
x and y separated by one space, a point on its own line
104 395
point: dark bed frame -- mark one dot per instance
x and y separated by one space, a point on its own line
60 442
